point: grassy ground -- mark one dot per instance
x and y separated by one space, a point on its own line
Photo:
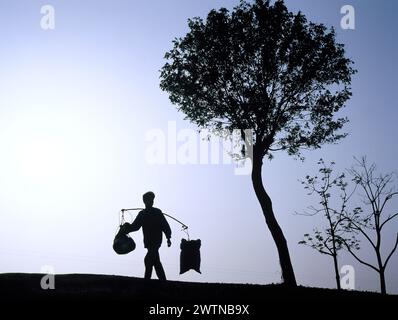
101 289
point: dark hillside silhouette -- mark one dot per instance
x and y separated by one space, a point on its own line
91 287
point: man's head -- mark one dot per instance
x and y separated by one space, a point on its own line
148 198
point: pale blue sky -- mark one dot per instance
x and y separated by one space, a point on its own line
75 106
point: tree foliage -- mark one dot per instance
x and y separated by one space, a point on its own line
264 68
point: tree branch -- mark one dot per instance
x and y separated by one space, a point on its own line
392 252
359 259
389 197
388 219
361 231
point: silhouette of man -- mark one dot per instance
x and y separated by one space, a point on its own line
153 224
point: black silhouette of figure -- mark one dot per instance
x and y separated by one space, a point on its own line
153 224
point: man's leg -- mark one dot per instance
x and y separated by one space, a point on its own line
149 262
158 266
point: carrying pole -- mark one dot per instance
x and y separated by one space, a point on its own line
184 226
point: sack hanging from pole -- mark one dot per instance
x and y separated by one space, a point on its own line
190 255
123 243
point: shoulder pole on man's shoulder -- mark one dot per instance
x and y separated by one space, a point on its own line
184 226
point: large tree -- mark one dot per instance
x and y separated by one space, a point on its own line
263 68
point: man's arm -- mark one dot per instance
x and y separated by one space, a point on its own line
166 228
135 226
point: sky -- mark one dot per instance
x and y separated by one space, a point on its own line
80 103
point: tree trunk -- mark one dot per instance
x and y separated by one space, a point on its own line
382 277
383 288
334 249
273 226
336 271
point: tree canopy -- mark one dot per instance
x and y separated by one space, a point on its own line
263 68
